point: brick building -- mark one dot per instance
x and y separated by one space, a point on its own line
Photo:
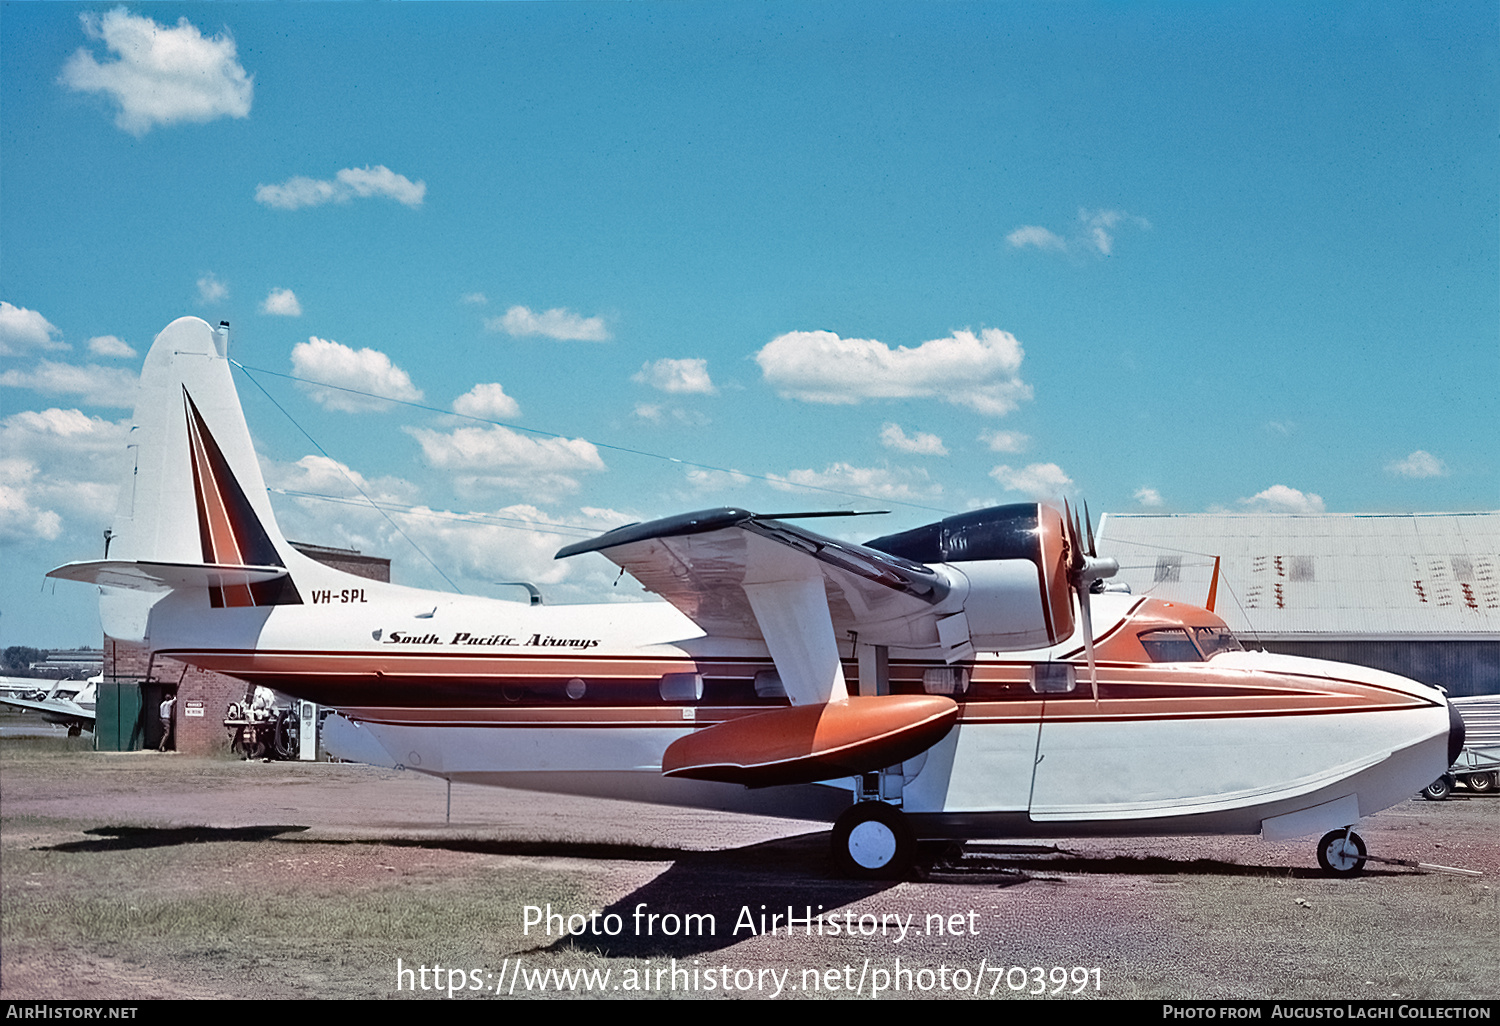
202 696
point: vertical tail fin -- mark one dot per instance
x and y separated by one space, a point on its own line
195 491
193 510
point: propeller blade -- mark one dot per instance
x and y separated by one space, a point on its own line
1089 523
1075 544
1079 580
1088 641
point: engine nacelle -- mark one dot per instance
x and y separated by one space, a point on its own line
1011 563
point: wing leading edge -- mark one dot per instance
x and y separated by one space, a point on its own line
743 575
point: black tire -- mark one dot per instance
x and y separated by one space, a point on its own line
1439 789
1480 783
1339 858
873 841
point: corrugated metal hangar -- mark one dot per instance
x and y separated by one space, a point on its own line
1416 594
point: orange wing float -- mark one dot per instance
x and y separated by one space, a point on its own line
803 744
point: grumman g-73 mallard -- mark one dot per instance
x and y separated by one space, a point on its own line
960 680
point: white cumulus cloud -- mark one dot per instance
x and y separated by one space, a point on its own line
668 375
1281 499
281 303
349 184
662 413
211 289
1094 233
978 371
498 458
1005 441
885 482
22 518
716 480
1039 480
110 345
477 547
322 476
922 443
160 75
473 298
22 330
1419 464
363 370
559 323
1148 497
1036 236
60 466
94 384
487 402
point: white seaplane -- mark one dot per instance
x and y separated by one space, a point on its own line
945 682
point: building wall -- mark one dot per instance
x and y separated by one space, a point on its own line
129 663
1462 667
195 735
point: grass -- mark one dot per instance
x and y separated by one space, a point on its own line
95 904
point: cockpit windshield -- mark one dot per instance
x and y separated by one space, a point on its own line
1213 640
1172 645
1188 645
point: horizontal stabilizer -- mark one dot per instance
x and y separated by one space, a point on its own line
143 575
808 743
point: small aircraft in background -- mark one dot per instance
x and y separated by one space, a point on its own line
962 680
69 703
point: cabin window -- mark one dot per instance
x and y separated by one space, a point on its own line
1170 646
768 685
945 680
1053 678
681 687
1213 640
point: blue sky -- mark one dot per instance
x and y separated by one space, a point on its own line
926 257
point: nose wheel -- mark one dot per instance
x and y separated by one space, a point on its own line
873 841
1342 853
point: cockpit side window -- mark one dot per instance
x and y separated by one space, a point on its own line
1213 640
1172 645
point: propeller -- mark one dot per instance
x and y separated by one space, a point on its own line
1084 568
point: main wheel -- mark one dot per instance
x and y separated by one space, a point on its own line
873 841
1481 782
1439 789
1341 856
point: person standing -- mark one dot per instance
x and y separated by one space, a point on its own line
167 705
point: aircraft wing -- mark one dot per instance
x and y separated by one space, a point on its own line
701 563
55 710
744 575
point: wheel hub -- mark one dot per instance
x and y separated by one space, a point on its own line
872 844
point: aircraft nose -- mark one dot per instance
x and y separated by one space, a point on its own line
1455 733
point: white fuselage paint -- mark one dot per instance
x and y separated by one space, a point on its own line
1103 772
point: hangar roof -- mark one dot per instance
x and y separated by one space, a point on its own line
1377 576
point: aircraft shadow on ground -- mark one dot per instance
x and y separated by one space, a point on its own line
726 891
133 838
710 900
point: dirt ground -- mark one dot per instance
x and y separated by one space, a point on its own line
134 876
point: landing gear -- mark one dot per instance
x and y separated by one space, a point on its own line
1439 789
1481 783
873 841
1341 853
